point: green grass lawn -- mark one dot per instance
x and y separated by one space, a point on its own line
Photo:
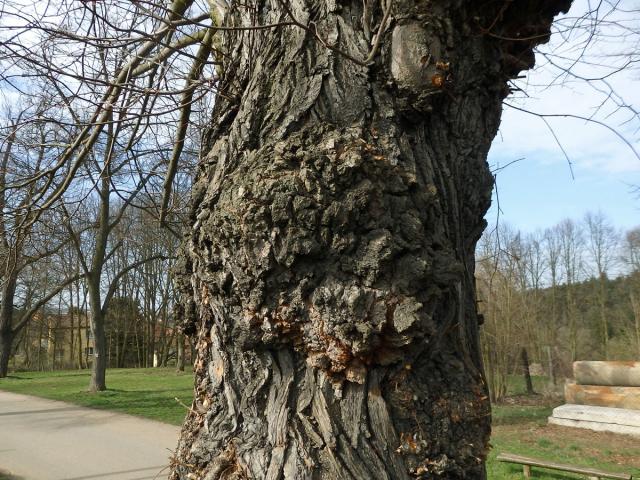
520 427
519 424
147 392
532 437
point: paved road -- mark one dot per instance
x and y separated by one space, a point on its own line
48 440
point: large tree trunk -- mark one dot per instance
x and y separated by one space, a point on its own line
100 358
97 320
7 333
526 372
329 270
179 353
97 308
6 342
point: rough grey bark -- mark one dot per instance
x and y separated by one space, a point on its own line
329 269
7 331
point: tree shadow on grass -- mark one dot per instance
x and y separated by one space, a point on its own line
136 392
42 411
82 373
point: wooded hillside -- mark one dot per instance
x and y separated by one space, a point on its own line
571 292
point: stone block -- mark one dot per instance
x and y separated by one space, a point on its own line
619 374
603 396
602 419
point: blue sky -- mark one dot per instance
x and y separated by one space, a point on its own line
539 191
535 193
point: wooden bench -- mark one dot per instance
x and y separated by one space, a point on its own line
527 463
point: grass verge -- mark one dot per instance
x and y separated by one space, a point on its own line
146 392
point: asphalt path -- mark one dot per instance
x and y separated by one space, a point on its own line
48 440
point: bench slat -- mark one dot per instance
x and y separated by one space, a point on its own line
511 458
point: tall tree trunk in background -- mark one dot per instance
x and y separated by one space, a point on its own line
80 315
40 338
179 352
51 342
113 345
98 307
27 347
572 314
7 333
125 343
79 365
72 330
525 371
602 303
329 270
97 320
166 347
140 362
636 319
6 342
551 367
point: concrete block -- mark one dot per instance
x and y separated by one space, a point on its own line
603 396
601 419
619 374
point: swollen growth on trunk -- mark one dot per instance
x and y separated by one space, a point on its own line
328 274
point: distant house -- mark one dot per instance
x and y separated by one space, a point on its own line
54 340
61 340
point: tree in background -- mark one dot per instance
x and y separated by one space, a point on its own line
120 133
602 240
631 256
27 236
528 302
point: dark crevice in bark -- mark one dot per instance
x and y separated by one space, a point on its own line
329 271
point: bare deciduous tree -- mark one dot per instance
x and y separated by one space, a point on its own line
24 241
602 243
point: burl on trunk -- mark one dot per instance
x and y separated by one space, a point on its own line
329 269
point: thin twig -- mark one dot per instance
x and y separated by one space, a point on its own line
379 33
